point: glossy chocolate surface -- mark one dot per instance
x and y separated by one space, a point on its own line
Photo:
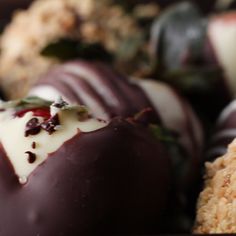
113 180
109 89
100 88
78 80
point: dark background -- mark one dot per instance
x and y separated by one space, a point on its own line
8 6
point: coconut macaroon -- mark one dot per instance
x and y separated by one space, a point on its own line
216 209
47 21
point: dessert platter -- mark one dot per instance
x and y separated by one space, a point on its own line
117 117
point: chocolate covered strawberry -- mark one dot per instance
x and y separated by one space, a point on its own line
87 176
108 94
196 54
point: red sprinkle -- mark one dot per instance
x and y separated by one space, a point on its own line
50 124
42 112
32 127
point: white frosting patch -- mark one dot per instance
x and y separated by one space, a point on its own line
162 99
226 112
228 133
12 137
49 93
92 78
89 101
222 34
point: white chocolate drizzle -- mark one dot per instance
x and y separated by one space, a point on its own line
16 144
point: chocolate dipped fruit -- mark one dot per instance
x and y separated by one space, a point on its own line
194 54
65 173
107 94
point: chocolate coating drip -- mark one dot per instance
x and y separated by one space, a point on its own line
113 180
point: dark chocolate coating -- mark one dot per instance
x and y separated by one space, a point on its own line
82 82
104 85
113 180
78 80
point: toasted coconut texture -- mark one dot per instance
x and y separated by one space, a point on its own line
216 209
47 21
